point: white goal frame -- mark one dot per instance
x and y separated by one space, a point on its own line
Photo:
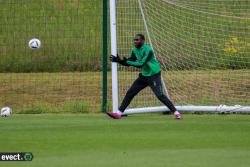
188 108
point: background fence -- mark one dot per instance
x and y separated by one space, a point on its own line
65 74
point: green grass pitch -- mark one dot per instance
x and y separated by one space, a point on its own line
72 140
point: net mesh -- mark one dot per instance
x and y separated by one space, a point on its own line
203 47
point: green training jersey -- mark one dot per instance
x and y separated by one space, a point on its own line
144 58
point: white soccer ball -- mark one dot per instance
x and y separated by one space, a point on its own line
34 43
6 112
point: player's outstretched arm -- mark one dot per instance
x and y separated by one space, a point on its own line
140 64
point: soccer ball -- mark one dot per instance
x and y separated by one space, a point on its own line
34 43
6 112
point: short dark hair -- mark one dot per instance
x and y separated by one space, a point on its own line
141 36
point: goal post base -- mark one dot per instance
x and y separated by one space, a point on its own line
215 109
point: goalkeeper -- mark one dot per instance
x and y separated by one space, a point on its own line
142 56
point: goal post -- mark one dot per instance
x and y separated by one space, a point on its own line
203 49
114 52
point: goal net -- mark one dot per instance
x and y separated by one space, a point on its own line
203 47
